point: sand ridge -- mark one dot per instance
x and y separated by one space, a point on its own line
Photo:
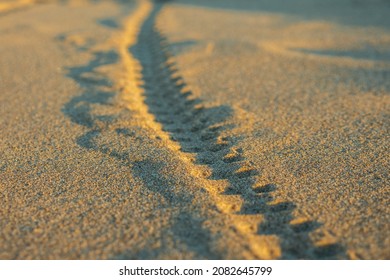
196 129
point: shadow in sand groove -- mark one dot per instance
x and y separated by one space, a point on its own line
198 130
93 109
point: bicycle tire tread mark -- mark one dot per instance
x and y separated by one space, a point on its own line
197 129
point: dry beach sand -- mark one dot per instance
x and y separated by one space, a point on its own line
194 129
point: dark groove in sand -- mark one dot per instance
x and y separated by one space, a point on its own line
197 130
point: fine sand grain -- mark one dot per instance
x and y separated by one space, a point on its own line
194 129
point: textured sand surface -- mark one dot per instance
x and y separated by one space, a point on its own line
194 130
308 82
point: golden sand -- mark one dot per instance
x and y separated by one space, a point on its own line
193 130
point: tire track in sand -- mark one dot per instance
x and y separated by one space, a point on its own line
195 134
184 223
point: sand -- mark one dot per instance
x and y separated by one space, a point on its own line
194 129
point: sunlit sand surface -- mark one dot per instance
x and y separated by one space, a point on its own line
194 129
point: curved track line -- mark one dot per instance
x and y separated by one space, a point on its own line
193 131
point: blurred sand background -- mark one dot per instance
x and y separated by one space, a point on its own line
188 129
